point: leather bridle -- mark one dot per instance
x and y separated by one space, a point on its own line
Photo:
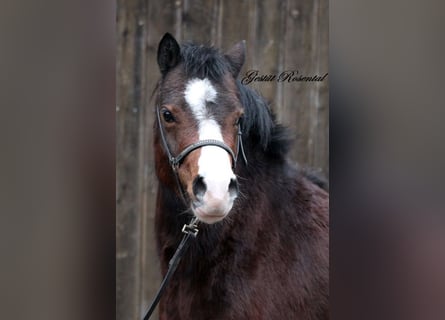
175 161
190 230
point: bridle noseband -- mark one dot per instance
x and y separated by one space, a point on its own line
175 161
190 230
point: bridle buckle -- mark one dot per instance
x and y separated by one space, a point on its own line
191 229
174 164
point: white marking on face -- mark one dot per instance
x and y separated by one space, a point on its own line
197 93
214 162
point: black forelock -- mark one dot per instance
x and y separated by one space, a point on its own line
203 62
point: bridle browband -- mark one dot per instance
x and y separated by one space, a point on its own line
190 230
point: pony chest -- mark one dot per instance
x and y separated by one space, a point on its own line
219 291
200 296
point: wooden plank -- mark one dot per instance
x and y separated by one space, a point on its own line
198 21
128 98
266 45
161 17
319 136
298 51
235 25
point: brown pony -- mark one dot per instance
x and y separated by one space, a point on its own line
262 247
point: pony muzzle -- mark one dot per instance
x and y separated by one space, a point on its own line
213 198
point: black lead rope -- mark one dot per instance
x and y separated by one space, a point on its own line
190 231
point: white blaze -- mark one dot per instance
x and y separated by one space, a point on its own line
214 162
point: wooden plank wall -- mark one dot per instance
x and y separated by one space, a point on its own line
281 35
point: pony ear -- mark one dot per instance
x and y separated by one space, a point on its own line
168 53
236 57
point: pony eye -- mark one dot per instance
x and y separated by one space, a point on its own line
238 121
167 115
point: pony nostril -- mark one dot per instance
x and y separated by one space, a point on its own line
233 188
199 187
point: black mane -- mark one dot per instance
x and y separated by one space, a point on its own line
259 125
